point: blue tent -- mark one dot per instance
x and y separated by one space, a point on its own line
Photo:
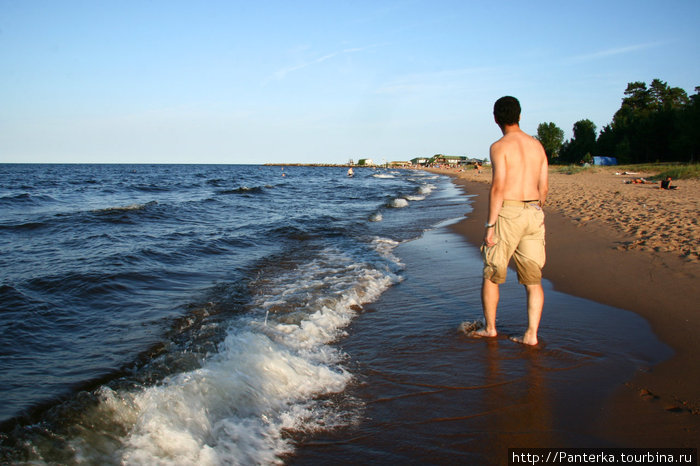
604 161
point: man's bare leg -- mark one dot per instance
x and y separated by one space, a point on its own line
535 303
489 301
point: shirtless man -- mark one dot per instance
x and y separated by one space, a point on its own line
515 224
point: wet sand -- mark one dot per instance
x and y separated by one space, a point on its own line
425 393
428 394
634 247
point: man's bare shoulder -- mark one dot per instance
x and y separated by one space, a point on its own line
536 141
498 150
504 141
538 147
531 144
495 145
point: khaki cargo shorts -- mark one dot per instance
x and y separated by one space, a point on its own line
519 233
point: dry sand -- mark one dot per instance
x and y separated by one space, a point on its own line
655 219
635 247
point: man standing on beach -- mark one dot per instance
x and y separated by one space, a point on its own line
515 224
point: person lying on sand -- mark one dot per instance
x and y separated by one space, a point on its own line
666 184
639 181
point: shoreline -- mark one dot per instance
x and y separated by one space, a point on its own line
591 259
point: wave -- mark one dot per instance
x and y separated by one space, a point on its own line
28 226
398 203
218 182
243 190
71 219
25 198
271 372
276 372
152 188
422 192
127 208
426 189
383 175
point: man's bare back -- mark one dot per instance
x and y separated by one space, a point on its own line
520 172
522 164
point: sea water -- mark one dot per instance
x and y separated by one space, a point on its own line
190 314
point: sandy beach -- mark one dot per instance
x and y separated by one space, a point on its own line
634 247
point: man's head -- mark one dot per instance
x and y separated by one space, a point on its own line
506 111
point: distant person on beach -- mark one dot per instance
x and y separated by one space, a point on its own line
639 181
666 184
515 223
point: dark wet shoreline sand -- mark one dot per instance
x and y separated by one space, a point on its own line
659 406
426 393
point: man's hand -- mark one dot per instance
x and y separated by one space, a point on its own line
488 237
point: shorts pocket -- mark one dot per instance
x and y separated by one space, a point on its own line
492 271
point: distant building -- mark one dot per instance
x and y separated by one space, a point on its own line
399 164
453 160
419 161
365 162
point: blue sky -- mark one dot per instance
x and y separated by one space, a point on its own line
327 81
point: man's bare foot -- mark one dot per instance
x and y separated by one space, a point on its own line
483 333
525 340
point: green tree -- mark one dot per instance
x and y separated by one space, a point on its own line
583 142
551 138
664 97
687 145
650 124
638 97
654 123
607 141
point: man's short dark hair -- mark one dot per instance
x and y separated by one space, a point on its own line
507 111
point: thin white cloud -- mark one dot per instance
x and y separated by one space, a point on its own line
612 52
282 73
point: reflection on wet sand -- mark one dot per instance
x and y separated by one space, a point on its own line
427 393
521 410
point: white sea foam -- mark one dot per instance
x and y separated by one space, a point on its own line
382 175
385 247
232 410
376 217
265 379
399 203
426 189
127 207
422 192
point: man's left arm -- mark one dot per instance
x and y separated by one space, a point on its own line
543 182
496 194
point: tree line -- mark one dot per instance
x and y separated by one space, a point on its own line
657 123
